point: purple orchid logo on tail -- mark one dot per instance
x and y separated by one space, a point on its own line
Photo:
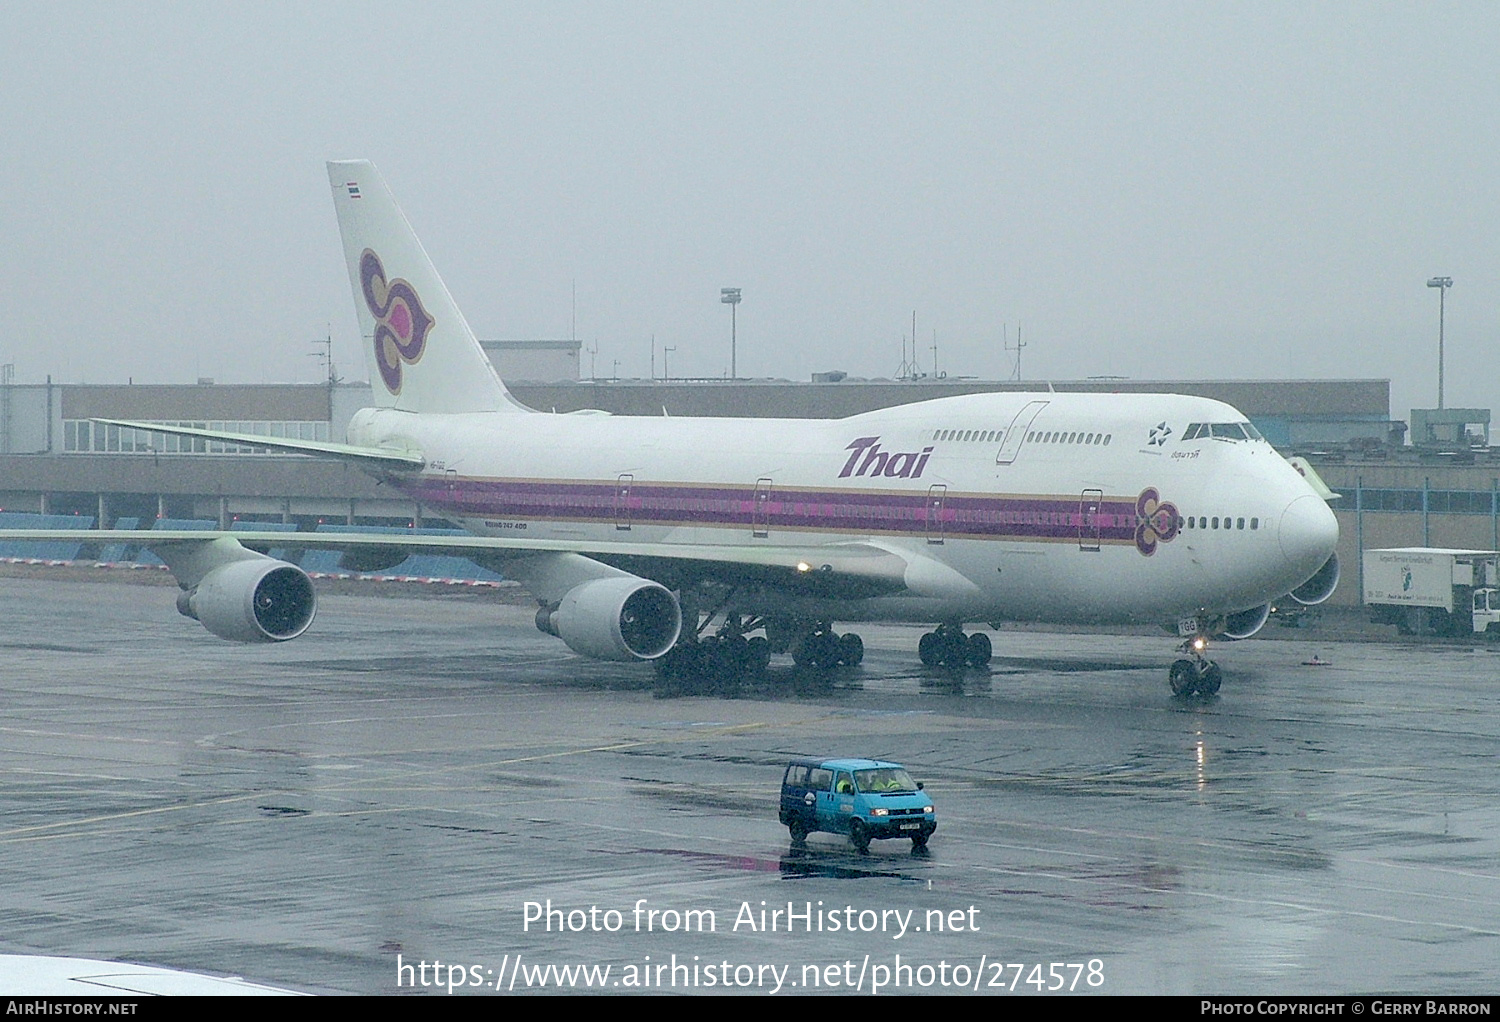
401 323
1156 521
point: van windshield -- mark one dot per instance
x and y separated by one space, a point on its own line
885 781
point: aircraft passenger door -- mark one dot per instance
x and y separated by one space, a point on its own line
1088 519
622 502
760 510
1016 435
935 497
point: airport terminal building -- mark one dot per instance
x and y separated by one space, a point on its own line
56 459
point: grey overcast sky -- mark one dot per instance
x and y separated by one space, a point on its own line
1150 189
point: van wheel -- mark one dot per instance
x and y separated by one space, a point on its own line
919 841
798 830
859 836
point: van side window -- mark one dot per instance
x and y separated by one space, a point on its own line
821 780
844 785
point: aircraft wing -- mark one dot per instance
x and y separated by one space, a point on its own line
382 457
842 571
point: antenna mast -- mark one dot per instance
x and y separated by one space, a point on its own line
1020 344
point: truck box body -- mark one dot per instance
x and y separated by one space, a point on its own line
1424 576
1431 589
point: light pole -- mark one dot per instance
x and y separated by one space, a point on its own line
1442 284
730 296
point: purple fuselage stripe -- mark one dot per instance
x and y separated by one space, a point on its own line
842 511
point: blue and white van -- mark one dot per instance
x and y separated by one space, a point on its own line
863 798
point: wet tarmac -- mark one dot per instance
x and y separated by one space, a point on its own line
416 779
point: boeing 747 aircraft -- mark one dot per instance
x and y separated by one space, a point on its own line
707 545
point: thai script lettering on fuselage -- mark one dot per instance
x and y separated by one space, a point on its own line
868 459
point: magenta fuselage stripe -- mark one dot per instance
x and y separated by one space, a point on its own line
992 517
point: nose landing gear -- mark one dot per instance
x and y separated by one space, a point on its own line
1198 675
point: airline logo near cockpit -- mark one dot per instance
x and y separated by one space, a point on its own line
867 459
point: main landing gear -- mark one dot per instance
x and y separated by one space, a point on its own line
1196 676
717 662
821 648
948 646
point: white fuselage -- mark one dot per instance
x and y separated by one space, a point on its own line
1022 506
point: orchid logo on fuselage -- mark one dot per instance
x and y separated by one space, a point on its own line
872 461
1156 521
401 323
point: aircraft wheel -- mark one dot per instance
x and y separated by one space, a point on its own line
673 664
1183 677
930 649
733 653
757 656
851 649
955 650
979 650
819 650
1209 683
803 650
723 666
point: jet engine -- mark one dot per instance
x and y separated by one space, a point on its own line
1245 623
255 600
621 618
1320 586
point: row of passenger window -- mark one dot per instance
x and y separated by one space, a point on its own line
1217 523
1035 436
1061 437
963 435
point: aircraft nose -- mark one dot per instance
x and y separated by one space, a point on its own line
1308 533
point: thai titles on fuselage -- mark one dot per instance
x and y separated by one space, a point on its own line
867 459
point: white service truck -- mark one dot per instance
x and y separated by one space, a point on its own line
1430 590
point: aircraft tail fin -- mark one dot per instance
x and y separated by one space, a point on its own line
421 354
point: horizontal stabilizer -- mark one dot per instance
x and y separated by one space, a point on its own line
387 457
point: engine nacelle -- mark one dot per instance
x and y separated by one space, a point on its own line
625 618
1245 623
258 600
1321 586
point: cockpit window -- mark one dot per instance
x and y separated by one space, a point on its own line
1221 431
